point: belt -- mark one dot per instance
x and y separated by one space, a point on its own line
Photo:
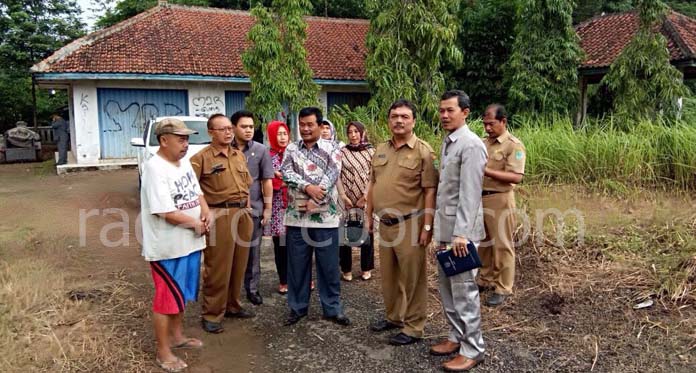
394 221
230 204
489 192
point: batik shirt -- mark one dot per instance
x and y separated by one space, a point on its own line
319 165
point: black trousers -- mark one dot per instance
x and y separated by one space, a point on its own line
367 256
280 252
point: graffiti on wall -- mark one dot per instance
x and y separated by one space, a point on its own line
205 106
134 114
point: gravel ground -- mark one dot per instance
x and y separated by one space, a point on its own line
533 332
316 345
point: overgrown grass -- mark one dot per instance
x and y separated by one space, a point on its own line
641 242
600 153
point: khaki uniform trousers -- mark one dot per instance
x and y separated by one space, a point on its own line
225 262
404 280
497 250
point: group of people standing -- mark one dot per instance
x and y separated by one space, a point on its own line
305 194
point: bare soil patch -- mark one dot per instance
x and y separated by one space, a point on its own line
72 307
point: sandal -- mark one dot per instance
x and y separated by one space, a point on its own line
177 365
348 277
190 343
282 289
366 276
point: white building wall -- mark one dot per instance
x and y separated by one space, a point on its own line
204 99
84 125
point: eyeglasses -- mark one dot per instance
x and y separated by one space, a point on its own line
224 129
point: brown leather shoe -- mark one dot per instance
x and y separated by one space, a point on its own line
444 348
460 364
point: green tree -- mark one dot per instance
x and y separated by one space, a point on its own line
542 71
642 79
589 8
29 32
277 60
685 7
262 61
340 8
408 44
485 38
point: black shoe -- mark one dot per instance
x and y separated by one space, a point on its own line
496 299
293 318
402 339
241 314
255 298
339 319
212 327
383 325
485 288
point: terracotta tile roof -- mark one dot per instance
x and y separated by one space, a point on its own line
204 41
604 37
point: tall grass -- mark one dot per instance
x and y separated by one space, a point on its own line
651 154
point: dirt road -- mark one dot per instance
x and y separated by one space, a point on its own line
546 326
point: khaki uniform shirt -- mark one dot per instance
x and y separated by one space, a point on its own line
400 175
505 153
222 178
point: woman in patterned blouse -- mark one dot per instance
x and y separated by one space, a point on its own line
279 137
355 175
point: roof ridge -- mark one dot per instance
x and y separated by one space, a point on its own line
246 12
678 38
91 38
599 16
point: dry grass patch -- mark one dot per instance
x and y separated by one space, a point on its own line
50 321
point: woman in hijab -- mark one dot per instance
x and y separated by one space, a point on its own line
328 132
356 162
279 138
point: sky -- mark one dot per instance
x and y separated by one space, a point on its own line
87 16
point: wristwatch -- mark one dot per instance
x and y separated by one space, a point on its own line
427 228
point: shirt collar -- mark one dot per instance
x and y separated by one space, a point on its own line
217 151
302 144
411 143
248 146
502 138
454 136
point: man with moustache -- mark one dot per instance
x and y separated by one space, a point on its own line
261 195
458 221
311 168
174 219
504 170
224 177
402 194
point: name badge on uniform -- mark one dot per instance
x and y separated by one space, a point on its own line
217 168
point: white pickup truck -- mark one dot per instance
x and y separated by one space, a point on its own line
148 144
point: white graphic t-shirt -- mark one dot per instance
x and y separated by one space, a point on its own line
166 188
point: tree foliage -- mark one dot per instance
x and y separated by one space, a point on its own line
408 43
642 79
276 61
485 38
29 32
542 70
586 9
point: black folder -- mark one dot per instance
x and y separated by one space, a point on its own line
454 265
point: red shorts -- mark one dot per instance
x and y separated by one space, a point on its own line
176 282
